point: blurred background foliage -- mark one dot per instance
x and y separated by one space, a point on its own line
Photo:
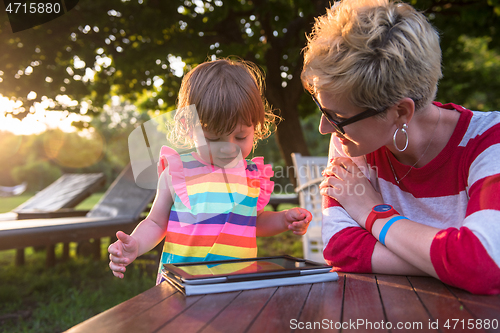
122 62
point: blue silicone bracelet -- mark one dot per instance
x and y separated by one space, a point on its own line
383 233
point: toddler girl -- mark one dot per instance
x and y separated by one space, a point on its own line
210 203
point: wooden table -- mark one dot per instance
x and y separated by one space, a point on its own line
356 302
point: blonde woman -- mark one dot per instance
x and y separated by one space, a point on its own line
413 186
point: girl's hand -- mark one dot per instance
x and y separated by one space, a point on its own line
122 253
297 220
345 183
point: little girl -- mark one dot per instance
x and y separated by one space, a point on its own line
210 203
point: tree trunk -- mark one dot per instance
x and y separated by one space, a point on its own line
289 135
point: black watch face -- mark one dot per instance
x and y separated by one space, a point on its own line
382 208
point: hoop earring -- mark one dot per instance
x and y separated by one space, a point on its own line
403 129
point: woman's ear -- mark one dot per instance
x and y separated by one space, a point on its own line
405 109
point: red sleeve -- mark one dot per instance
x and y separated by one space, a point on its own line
460 260
468 257
350 249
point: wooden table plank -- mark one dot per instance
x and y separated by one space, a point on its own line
482 308
396 291
363 309
241 312
445 309
284 305
323 307
154 318
200 313
106 321
361 302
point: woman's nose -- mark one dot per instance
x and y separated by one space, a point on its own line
324 126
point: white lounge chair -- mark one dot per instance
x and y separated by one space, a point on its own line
308 174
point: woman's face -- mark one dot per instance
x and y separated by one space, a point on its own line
361 137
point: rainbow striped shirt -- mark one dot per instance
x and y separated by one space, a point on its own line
215 210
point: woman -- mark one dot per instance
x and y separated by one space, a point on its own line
413 186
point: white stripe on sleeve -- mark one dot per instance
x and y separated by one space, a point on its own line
485 224
486 164
335 219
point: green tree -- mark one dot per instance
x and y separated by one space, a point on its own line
470 42
114 125
38 173
9 157
128 48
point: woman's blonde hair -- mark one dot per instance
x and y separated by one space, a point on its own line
374 51
224 92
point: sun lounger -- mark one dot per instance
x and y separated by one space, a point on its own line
120 208
59 198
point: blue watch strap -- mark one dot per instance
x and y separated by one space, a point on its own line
383 233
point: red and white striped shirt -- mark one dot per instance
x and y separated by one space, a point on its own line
457 192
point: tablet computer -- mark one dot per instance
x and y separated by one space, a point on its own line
242 269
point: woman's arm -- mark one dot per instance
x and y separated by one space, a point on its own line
463 257
386 262
408 243
350 248
406 250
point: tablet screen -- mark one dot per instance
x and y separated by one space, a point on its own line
240 266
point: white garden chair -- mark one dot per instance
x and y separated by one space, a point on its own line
308 174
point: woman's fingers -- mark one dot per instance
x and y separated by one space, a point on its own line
340 165
330 182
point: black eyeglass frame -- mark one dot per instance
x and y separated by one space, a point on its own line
338 125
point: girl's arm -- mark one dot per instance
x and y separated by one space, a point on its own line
272 223
146 235
154 227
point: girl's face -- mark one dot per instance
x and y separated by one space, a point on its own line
225 150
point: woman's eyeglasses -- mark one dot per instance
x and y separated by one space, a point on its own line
338 125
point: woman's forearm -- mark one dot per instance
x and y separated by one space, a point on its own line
386 262
407 248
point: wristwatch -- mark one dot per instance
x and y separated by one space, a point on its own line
379 212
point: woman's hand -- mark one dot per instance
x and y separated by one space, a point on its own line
346 183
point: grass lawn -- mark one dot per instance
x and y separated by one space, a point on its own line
34 298
9 203
38 299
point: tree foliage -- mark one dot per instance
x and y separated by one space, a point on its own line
128 48
101 146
